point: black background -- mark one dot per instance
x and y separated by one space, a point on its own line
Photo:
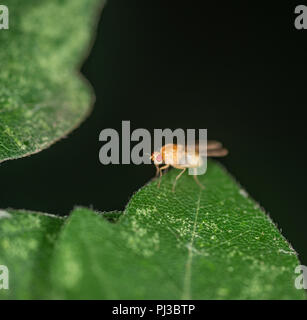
237 68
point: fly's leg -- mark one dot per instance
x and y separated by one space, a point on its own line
157 170
197 181
160 171
179 175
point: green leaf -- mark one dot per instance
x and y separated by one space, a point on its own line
42 95
26 243
192 244
215 243
112 216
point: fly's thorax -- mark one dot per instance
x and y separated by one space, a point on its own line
172 153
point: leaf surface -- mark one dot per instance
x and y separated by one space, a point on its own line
215 243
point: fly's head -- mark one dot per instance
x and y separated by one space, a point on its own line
156 157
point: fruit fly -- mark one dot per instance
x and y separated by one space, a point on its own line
183 157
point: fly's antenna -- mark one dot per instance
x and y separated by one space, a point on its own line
150 156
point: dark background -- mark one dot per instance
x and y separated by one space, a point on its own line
236 68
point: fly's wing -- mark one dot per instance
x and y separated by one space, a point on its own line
217 153
216 149
210 149
212 145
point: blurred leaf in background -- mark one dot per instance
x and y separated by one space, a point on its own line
42 95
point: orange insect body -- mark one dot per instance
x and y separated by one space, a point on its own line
178 156
183 157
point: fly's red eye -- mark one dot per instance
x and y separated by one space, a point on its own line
159 158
